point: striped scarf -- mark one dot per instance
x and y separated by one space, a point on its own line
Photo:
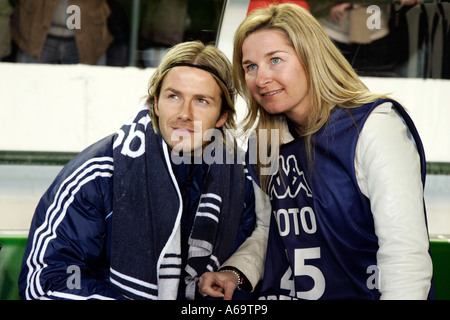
146 251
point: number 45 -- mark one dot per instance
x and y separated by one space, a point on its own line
302 269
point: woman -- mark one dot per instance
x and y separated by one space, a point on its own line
348 218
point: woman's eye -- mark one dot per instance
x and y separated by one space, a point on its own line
251 67
275 60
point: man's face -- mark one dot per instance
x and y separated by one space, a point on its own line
189 103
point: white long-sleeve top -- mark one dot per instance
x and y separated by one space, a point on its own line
387 167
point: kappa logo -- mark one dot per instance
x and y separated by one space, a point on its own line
291 183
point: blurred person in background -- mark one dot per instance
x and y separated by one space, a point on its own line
6 11
61 32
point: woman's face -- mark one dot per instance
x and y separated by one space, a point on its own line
275 75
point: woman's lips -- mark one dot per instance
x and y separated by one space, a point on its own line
271 93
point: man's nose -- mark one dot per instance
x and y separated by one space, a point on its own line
185 113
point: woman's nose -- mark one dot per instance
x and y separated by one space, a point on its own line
263 77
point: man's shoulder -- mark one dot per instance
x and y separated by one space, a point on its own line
98 155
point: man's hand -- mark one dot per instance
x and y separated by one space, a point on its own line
217 284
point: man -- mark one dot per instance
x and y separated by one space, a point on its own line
123 219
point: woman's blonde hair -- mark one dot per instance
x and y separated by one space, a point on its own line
331 79
206 57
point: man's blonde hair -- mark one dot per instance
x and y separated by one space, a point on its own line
206 57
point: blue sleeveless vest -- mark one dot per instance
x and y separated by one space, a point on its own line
322 242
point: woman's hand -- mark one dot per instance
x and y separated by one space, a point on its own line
217 284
